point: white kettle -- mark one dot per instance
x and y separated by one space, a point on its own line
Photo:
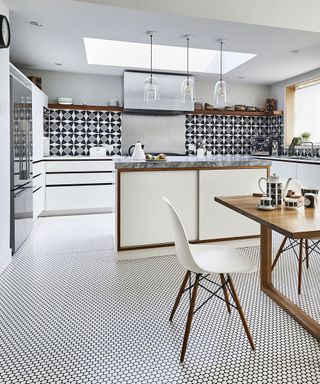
138 152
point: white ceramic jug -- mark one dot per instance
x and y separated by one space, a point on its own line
138 152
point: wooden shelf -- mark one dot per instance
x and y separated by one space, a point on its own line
196 112
85 107
235 113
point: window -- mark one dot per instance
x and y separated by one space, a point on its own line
303 110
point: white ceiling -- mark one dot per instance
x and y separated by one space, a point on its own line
66 22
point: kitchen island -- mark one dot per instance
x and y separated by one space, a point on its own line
190 183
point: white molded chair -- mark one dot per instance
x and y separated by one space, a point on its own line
203 260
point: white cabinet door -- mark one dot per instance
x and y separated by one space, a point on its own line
144 218
284 169
38 189
217 221
79 165
39 100
309 174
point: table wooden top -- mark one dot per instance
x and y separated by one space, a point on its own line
293 223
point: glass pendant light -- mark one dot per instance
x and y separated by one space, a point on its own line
151 85
220 98
187 86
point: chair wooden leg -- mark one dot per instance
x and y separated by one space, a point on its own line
279 253
307 252
225 291
300 266
190 317
180 293
243 319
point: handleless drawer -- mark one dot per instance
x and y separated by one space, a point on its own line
79 178
79 165
80 197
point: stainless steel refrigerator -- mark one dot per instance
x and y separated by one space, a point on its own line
21 162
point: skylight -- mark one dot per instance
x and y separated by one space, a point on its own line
165 58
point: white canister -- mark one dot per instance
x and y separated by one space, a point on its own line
200 152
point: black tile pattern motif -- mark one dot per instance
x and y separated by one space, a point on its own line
304 151
230 135
71 314
73 132
46 121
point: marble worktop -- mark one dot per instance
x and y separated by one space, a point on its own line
191 162
293 159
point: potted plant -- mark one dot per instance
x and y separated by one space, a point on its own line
305 136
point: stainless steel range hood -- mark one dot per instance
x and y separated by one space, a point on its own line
170 94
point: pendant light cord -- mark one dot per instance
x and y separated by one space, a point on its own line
188 60
151 57
221 60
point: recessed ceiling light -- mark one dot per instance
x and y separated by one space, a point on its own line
58 64
36 24
295 51
165 57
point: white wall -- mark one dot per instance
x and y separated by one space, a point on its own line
5 252
91 89
97 89
277 90
239 93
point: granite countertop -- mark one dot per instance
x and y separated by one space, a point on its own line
191 162
292 159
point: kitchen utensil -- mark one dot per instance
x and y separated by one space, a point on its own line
274 188
138 152
131 149
292 203
265 201
269 208
306 190
65 100
200 152
310 200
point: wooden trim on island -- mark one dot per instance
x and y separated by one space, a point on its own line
235 113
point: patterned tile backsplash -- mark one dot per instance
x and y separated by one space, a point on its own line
230 134
73 132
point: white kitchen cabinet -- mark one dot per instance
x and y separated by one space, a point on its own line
309 174
284 169
38 189
217 221
79 185
79 197
39 100
144 218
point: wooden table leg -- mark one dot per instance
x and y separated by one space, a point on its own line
266 285
266 256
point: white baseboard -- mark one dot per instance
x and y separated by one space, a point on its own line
5 259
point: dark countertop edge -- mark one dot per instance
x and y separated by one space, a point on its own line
289 160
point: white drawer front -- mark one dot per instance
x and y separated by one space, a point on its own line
80 197
37 168
79 178
79 165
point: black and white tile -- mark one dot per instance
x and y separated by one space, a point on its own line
70 314
73 132
230 135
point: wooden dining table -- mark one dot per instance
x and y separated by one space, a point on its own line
295 224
